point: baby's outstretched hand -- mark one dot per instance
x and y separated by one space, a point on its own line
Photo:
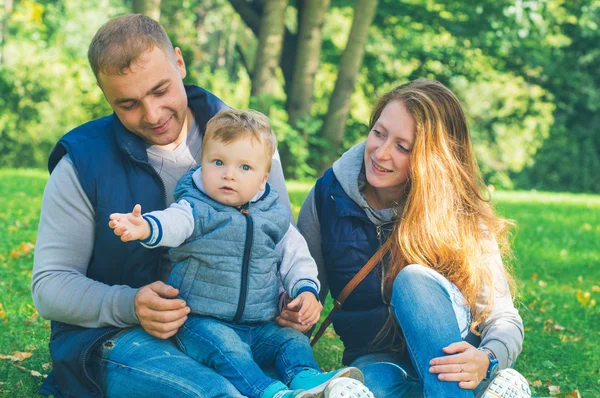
130 226
310 308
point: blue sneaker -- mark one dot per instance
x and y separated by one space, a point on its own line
508 383
316 382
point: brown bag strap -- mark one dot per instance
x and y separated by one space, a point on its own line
364 271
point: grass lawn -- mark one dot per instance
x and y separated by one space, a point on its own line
557 256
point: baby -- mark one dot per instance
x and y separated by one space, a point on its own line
233 245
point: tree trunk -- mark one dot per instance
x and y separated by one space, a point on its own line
150 8
310 24
268 53
350 63
250 14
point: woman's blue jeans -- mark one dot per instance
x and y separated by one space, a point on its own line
432 314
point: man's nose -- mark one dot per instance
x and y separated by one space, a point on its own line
151 112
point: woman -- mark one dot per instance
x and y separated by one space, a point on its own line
436 316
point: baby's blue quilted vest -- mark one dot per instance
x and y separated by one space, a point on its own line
228 267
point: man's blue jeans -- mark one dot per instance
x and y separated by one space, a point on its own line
238 352
432 314
136 364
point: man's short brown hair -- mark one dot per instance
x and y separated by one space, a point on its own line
122 40
232 124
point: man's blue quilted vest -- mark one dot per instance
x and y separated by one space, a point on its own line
113 169
348 240
211 270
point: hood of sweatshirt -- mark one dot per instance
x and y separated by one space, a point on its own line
350 172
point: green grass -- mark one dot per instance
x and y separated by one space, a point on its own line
557 256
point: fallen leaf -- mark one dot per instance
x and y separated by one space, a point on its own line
35 373
2 313
571 394
554 390
558 327
542 283
583 297
596 289
46 366
580 278
21 355
537 383
23 249
9 358
534 276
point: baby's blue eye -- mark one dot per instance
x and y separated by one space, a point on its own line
245 167
219 162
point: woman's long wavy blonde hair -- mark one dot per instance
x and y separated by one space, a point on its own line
447 224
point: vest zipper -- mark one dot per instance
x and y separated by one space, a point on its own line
245 265
86 355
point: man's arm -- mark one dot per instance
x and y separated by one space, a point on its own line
61 290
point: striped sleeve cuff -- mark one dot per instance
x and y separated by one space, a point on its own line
305 285
156 232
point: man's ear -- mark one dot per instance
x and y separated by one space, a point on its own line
180 62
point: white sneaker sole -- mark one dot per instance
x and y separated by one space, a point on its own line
347 373
507 384
344 387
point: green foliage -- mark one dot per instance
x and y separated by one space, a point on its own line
526 72
46 85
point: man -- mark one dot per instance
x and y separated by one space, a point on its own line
111 312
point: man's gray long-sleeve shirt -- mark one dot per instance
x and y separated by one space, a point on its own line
60 288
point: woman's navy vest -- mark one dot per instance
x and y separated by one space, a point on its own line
348 240
113 169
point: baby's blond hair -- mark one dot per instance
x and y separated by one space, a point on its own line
232 124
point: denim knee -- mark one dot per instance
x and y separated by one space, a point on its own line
416 282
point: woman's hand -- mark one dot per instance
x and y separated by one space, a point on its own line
468 366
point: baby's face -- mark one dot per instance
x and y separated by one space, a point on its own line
232 173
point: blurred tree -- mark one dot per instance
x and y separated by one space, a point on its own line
268 53
311 17
150 8
350 63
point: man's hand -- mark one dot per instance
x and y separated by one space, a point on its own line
468 367
160 313
289 317
130 226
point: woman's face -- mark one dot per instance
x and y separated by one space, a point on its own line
387 154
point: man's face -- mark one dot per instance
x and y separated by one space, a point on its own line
149 98
233 173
